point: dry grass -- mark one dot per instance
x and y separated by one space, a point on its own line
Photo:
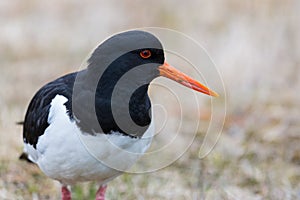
256 47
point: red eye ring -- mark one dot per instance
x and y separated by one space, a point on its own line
145 54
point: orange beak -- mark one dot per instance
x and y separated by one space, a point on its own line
170 72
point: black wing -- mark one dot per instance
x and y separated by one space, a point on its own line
36 118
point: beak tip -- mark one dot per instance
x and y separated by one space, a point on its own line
214 94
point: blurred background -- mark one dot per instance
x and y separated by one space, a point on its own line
255 46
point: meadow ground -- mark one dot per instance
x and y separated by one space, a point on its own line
255 46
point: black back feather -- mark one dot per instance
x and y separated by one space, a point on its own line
36 118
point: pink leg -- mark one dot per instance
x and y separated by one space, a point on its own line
65 193
100 195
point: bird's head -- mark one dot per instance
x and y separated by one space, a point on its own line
143 52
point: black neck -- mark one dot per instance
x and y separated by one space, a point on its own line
121 97
122 107
129 118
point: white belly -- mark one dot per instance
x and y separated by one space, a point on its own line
65 154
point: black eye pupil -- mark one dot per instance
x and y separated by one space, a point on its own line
145 53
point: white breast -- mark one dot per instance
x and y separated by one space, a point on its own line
65 154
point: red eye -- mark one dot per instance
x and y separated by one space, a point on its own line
145 54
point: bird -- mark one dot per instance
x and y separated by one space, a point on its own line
94 124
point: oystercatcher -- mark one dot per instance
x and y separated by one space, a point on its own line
93 124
